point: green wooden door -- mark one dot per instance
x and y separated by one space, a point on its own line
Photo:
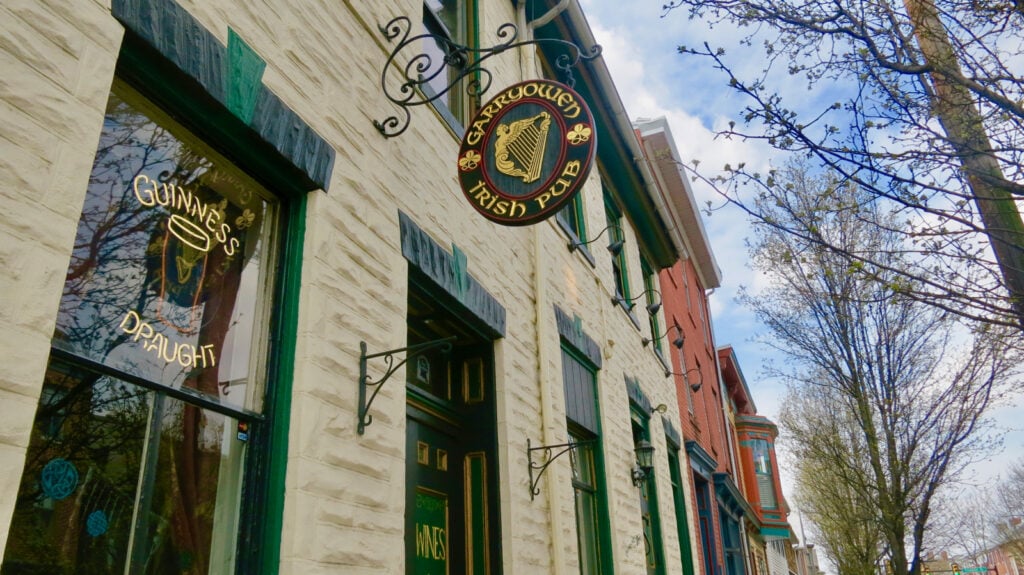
435 525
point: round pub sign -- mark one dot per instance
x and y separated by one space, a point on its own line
527 152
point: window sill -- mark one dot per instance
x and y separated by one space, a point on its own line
629 313
574 239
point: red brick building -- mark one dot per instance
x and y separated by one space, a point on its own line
728 446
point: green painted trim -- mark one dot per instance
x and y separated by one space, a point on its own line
477 528
604 514
613 219
571 331
272 515
775 532
679 502
671 434
163 42
427 256
650 485
460 263
262 500
639 403
244 77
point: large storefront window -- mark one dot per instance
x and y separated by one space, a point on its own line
156 380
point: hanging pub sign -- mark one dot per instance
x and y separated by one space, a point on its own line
527 152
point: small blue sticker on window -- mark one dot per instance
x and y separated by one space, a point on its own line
96 524
59 478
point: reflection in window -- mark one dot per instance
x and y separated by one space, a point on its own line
613 220
124 460
580 382
571 216
651 291
451 21
167 290
584 483
163 279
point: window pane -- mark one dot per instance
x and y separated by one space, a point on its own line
118 475
586 529
447 20
449 13
763 471
165 277
570 215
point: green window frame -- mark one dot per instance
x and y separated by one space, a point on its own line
613 219
583 424
572 220
456 22
587 496
679 503
140 380
650 290
654 552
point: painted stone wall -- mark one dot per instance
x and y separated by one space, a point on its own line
57 60
345 492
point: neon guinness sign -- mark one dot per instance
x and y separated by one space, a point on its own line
527 152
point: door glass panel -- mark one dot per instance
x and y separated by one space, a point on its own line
164 279
119 479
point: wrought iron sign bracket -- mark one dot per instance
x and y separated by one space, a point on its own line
546 459
412 351
421 70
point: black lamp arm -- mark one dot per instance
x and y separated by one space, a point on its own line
574 244
652 308
693 386
411 351
677 342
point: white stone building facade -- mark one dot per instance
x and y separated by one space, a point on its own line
202 228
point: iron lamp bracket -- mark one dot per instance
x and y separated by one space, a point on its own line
417 75
411 351
549 454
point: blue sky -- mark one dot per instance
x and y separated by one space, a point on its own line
653 79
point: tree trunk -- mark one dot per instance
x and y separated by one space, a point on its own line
953 106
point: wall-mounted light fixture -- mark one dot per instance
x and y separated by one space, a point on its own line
677 342
652 308
644 461
661 408
546 458
412 351
694 387
614 248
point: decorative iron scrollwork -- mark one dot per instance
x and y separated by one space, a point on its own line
389 358
421 69
547 455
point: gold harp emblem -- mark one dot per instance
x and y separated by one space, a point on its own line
519 147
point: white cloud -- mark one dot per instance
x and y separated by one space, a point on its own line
628 51
653 79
